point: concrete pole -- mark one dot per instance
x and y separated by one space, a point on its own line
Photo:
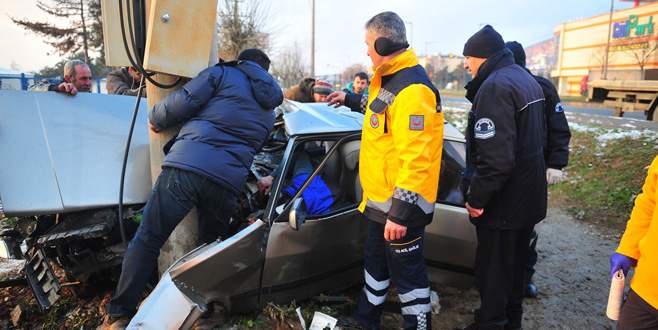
185 236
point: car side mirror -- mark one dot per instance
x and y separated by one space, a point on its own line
297 214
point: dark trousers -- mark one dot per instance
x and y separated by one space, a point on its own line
403 263
637 314
174 194
532 257
500 263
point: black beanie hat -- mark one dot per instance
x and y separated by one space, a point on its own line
484 43
256 55
517 50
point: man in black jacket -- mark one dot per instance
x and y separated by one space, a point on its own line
505 174
556 150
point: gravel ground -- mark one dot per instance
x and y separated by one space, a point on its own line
571 276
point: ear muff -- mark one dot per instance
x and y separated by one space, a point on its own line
385 46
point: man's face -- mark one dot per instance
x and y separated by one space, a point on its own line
134 73
82 79
359 85
319 97
376 59
473 64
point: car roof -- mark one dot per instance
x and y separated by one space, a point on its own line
314 118
317 118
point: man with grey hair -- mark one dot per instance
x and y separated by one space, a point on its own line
401 146
77 78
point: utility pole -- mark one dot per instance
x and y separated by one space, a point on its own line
185 237
607 45
312 38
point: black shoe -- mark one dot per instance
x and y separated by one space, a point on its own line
531 290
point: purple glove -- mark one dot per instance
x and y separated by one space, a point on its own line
620 261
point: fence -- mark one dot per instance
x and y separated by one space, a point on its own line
24 81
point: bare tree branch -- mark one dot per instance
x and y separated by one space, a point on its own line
288 67
242 25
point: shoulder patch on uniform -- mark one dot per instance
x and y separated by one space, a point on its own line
484 129
416 122
559 107
374 121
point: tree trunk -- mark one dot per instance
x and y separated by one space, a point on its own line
84 31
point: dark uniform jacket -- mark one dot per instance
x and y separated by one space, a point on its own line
505 139
556 150
226 112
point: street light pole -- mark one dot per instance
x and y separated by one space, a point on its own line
607 45
312 38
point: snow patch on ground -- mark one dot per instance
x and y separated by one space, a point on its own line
582 128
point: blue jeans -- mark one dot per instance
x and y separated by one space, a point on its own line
174 194
402 263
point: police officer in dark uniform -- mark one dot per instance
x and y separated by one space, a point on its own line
505 174
556 150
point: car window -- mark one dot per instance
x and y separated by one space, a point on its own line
333 189
453 163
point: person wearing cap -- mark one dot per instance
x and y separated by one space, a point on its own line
638 249
505 174
309 90
556 150
399 163
226 116
321 89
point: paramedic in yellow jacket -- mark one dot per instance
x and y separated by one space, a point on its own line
399 168
639 248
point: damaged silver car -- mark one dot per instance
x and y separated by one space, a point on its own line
287 252
62 178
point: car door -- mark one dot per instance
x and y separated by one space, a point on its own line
225 271
326 253
450 238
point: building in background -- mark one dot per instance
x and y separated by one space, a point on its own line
440 61
541 57
446 71
630 39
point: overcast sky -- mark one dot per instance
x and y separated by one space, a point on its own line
432 26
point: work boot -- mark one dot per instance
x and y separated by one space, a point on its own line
530 290
114 323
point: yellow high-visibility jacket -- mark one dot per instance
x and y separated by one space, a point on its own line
640 240
401 144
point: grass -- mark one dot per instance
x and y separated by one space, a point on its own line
603 180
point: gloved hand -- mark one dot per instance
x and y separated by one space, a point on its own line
619 261
553 175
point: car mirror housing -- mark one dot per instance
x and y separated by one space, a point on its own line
297 214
